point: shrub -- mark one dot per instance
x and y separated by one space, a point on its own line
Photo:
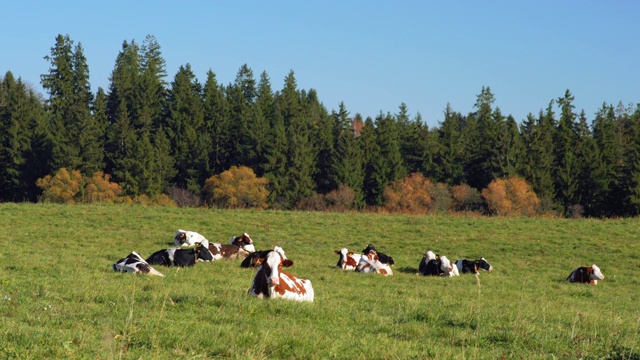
338 200
409 195
441 197
183 197
511 197
466 198
236 188
64 187
100 189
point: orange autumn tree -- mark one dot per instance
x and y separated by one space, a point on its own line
64 187
511 197
236 188
410 195
100 189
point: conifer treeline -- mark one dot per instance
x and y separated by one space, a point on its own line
151 135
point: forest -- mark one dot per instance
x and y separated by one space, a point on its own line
153 136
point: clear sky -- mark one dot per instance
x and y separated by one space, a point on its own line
372 55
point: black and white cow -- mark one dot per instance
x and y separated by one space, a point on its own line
252 259
468 266
134 263
181 257
435 265
382 257
586 275
187 238
271 282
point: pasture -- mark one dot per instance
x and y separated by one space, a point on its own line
59 297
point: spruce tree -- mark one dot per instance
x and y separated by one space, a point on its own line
216 118
449 158
185 125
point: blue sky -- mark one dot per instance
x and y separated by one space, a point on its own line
372 55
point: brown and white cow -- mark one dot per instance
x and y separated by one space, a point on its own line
586 275
238 248
271 282
370 263
348 259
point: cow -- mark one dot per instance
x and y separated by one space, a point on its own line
252 259
271 282
181 257
435 265
382 257
467 266
348 259
187 238
238 248
586 275
371 263
244 241
134 263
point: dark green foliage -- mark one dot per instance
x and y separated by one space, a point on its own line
152 136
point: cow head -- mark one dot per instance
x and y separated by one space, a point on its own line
483 264
271 265
180 238
244 241
202 251
369 248
595 273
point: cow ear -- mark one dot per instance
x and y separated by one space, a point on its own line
350 253
287 263
336 251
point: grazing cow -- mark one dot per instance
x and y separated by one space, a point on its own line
382 257
187 238
252 259
434 265
371 263
586 275
134 263
181 257
348 259
468 266
271 282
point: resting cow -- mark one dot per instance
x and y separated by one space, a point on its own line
271 282
348 259
181 257
468 266
134 263
187 238
382 257
371 263
252 259
238 248
434 265
586 275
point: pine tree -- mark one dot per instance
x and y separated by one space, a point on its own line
216 118
610 150
588 162
450 149
300 151
241 96
65 84
347 158
20 116
257 130
185 126
566 182
375 176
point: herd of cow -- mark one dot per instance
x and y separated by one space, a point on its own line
271 282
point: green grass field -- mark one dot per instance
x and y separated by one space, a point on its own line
59 297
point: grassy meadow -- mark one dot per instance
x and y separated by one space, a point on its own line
60 299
